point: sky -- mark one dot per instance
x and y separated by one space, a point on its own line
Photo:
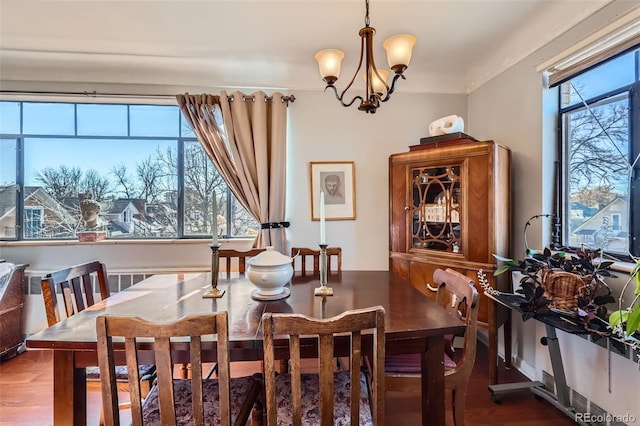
605 78
156 127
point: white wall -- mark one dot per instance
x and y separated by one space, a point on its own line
321 130
515 110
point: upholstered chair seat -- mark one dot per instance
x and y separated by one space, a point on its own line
240 388
311 399
122 374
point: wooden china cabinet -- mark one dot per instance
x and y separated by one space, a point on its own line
450 208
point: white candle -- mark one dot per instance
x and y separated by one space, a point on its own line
214 220
323 239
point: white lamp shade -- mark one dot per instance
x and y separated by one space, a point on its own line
399 49
378 86
329 62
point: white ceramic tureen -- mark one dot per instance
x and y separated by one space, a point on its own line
270 271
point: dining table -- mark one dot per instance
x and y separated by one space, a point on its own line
413 324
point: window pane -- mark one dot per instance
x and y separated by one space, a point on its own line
10 117
48 118
602 79
185 129
242 223
137 191
154 120
597 162
8 188
102 120
201 181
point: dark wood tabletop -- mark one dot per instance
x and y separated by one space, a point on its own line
414 324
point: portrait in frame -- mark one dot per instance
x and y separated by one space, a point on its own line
337 180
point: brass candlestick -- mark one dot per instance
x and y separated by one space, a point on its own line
214 293
323 290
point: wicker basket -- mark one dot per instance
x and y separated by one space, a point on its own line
562 289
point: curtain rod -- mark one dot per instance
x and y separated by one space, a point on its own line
252 98
94 94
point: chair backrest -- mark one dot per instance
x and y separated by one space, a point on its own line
76 286
132 328
230 254
304 252
296 326
457 294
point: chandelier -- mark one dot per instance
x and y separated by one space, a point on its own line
377 90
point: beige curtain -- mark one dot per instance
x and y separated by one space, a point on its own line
245 137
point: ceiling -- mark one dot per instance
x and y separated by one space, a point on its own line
270 44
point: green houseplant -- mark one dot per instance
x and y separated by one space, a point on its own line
625 322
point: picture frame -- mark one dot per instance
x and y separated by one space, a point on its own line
337 180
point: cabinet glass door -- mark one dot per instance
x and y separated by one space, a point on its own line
436 208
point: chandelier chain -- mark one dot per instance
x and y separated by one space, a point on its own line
366 15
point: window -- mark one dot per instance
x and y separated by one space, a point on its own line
615 222
142 163
8 188
600 146
33 223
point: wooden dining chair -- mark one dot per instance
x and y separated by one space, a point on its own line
327 398
458 295
241 264
303 253
76 284
172 401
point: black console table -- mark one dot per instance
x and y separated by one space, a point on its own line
552 321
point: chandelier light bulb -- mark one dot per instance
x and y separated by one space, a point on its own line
378 84
329 62
399 48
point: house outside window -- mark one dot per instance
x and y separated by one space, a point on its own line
142 163
599 145
33 223
615 222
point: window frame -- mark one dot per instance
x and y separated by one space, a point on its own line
180 139
563 202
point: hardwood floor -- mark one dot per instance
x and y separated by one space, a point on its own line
26 383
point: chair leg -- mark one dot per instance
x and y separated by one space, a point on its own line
184 370
257 414
458 400
342 364
214 369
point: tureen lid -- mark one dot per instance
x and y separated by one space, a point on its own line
269 257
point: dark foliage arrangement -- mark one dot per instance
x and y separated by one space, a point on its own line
591 297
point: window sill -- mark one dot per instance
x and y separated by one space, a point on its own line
235 242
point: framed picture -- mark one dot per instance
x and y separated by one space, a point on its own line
337 181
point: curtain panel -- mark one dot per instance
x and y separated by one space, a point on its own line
245 137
